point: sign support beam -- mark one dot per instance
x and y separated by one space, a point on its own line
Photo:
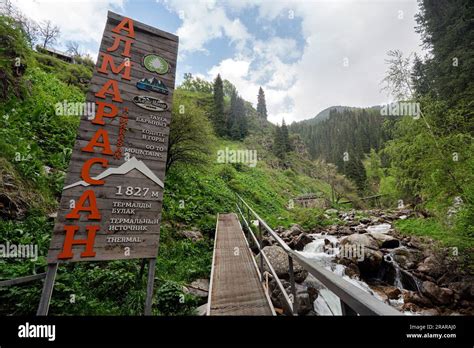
48 286
149 287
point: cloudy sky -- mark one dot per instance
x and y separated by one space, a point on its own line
307 55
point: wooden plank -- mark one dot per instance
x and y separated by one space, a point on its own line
22 280
149 286
236 288
47 292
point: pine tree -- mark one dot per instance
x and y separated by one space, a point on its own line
261 104
355 171
233 112
278 146
237 121
285 138
243 126
219 116
446 30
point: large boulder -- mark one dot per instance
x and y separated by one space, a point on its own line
416 298
407 258
370 264
464 290
365 253
304 297
441 296
279 261
198 288
295 230
431 266
351 270
387 292
384 240
359 240
191 235
303 300
299 242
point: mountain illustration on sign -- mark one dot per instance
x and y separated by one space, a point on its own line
125 168
156 64
152 84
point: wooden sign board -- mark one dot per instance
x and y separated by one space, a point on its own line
111 203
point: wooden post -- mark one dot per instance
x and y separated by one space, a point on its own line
140 274
48 286
293 286
149 286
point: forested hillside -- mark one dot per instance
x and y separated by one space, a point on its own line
420 165
344 138
424 159
35 149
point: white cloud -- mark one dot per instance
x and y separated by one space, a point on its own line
204 21
238 72
299 80
361 33
79 20
357 32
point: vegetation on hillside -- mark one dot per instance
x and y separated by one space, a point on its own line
425 162
423 159
35 149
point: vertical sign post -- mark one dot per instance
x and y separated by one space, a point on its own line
111 203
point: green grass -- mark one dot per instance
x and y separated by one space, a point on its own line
433 229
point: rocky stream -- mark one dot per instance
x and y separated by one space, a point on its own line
412 274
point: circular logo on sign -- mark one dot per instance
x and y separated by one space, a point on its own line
155 63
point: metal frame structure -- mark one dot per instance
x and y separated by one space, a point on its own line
354 301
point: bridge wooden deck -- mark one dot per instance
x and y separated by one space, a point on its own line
235 287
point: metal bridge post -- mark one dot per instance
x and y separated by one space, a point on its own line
346 310
248 216
260 249
293 286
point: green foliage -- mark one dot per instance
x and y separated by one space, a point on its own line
311 218
354 170
281 141
351 130
237 120
33 136
13 57
446 30
433 229
261 104
229 88
431 167
172 301
78 75
191 136
388 188
218 112
195 84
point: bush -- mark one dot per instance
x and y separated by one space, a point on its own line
171 300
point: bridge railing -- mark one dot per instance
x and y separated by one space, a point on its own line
354 301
